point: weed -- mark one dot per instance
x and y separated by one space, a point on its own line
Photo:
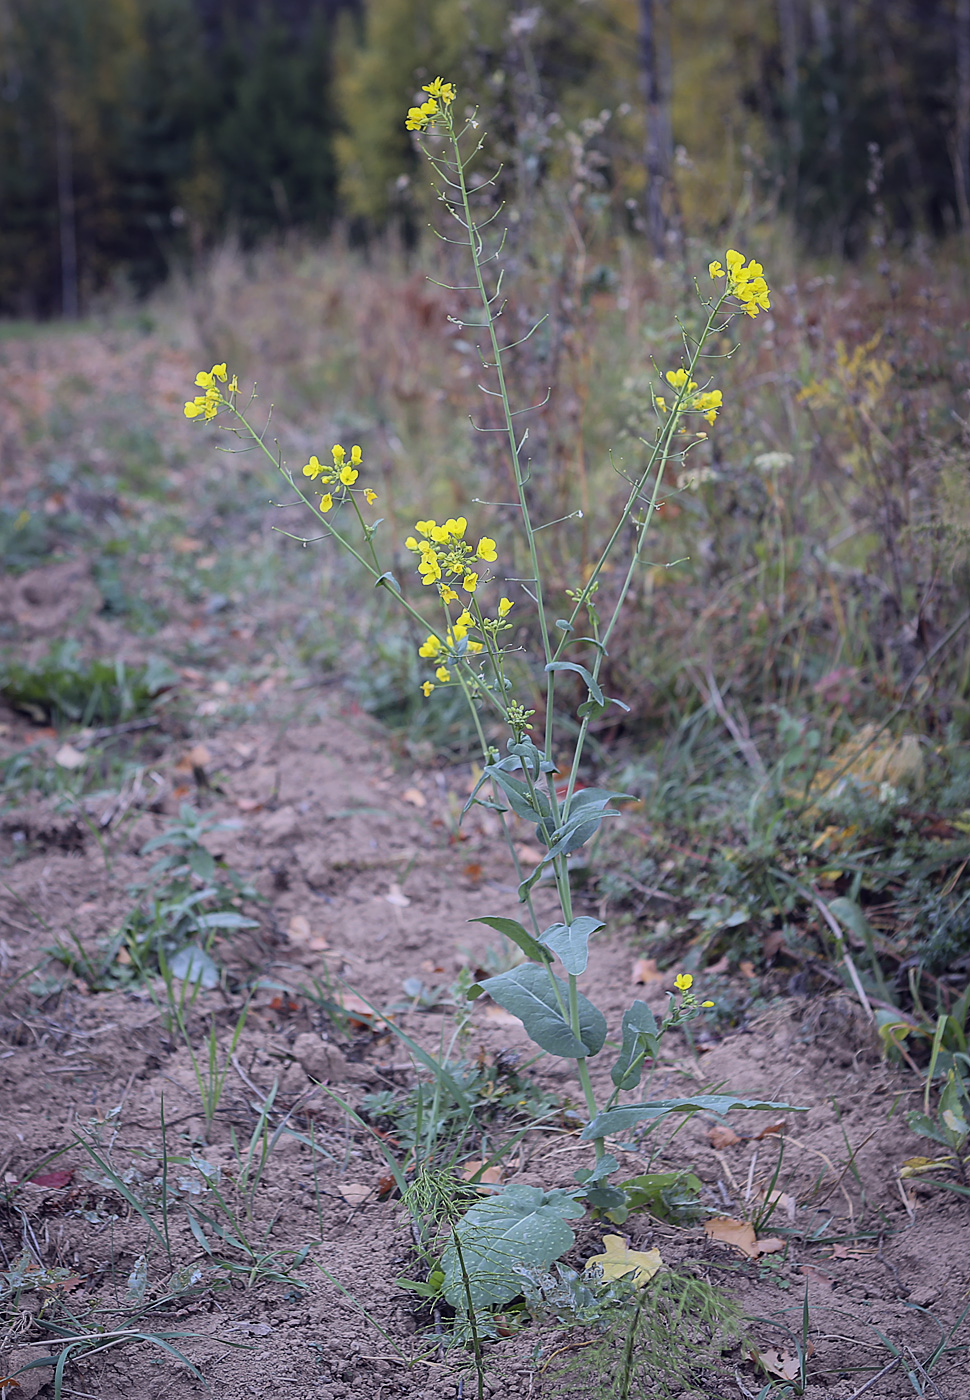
65 690
661 1339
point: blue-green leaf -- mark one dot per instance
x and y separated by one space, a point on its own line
618 1120
520 936
570 942
387 580
528 993
523 1226
640 1037
592 684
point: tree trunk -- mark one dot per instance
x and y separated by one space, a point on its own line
788 34
658 150
961 152
66 212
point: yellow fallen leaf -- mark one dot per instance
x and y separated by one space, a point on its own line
914 1166
415 796
619 1261
740 1234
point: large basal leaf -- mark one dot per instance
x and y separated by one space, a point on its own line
523 1226
527 992
570 942
619 1120
639 1037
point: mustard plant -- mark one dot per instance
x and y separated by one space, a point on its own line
466 615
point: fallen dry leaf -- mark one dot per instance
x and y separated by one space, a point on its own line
415 796
619 1261
746 968
397 897
779 1363
722 1136
298 931
357 1011
645 972
354 1194
528 855
781 1201
491 1177
69 757
497 1016
740 1234
772 1130
198 757
250 804
53 1180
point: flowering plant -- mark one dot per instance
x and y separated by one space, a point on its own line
467 646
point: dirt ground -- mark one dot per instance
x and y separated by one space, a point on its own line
364 881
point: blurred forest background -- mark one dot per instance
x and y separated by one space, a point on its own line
134 134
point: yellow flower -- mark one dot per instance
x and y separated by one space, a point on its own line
683 981
429 568
464 619
194 407
203 380
678 378
443 674
707 1003
431 648
338 454
219 372
661 403
444 91
427 687
505 607
234 385
326 503
715 269
486 550
418 118
313 468
355 456
348 475
448 595
370 496
746 282
470 582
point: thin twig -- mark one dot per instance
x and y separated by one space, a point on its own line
872 1379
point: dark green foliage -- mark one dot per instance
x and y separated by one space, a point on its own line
65 690
131 134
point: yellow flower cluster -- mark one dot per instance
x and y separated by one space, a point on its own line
207 405
708 402
340 475
441 95
747 283
457 645
443 552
